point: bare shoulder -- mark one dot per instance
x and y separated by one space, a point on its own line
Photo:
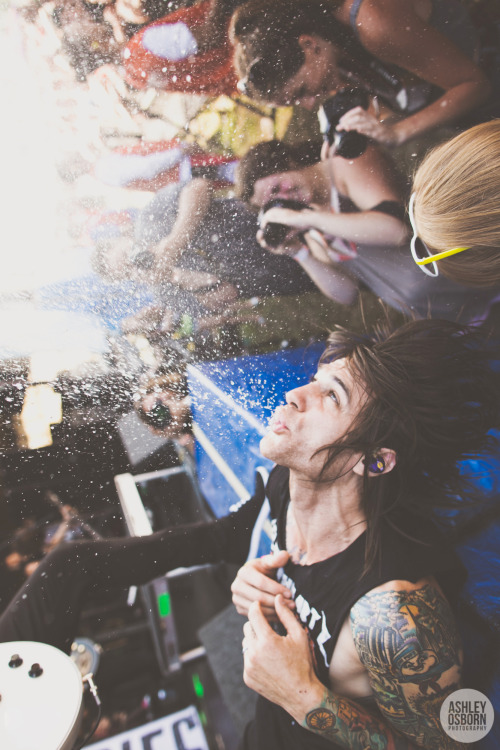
396 31
406 636
368 179
379 20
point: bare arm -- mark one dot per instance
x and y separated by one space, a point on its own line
330 279
407 641
364 226
392 31
367 181
194 202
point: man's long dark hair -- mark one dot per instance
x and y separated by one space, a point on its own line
432 397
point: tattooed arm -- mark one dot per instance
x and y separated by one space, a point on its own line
406 637
406 640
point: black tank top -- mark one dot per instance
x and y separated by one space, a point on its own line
325 592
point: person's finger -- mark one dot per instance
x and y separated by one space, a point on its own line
248 631
355 119
260 575
347 116
286 616
268 612
275 560
276 215
243 602
245 595
249 577
257 622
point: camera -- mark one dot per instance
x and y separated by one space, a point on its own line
142 258
274 234
159 415
348 144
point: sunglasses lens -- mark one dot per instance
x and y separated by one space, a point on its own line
420 249
420 252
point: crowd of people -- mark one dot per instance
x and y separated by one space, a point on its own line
426 72
361 583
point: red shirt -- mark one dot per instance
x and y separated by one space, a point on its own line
210 72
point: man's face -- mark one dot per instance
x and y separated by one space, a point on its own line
293 185
315 415
315 79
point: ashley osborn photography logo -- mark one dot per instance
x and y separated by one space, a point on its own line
467 715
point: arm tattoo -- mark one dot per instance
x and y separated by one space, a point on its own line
348 725
408 642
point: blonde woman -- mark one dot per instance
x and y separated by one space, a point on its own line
455 208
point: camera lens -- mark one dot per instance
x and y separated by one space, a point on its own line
274 234
159 415
350 144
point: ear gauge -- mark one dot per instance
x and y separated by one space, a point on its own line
376 465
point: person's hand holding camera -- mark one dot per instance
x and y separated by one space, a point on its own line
287 217
365 122
290 245
281 226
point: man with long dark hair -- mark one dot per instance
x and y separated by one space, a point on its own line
365 588
366 452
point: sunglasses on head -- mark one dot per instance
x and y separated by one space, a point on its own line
423 257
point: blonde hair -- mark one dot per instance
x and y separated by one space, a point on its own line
457 204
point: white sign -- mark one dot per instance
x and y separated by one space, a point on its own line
179 731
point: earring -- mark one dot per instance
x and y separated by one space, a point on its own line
377 466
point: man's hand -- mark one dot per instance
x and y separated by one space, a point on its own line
255 582
280 668
364 122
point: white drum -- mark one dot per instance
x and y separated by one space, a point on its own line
41 703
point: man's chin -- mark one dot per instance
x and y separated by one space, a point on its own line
264 446
268 447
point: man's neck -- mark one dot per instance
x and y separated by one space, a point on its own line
323 517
